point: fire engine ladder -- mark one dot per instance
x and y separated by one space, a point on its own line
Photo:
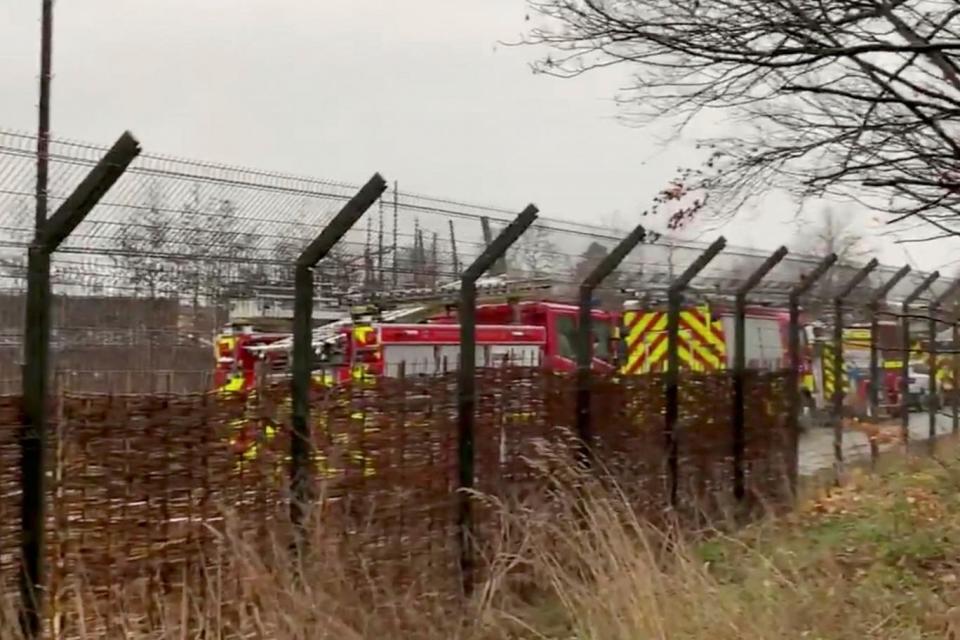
431 301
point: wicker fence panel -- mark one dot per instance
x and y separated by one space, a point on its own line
769 445
9 494
628 426
705 443
522 434
141 486
144 486
514 426
387 469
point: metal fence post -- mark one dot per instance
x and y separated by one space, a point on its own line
499 267
33 435
838 300
739 368
301 441
585 333
793 381
874 306
905 351
933 408
467 380
672 386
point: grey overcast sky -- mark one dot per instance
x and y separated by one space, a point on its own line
419 90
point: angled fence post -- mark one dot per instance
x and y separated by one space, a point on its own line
934 407
499 267
838 301
453 248
301 440
739 368
874 306
585 333
467 380
793 382
36 371
672 385
905 352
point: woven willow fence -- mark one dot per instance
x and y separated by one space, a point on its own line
142 487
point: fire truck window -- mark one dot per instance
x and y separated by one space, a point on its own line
566 328
602 336
329 354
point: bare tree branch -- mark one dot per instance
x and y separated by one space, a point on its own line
858 98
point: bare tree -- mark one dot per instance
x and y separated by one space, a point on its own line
220 250
852 97
834 232
16 228
283 255
141 250
13 273
589 259
342 269
535 253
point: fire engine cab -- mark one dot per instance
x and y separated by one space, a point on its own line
236 355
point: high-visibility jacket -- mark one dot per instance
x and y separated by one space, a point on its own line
248 439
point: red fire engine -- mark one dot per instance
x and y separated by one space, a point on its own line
559 321
379 349
545 336
370 342
236 356
532 332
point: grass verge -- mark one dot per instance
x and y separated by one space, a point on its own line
878 558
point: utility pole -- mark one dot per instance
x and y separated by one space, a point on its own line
380 248
43 128
396 206
453 250
368 258
433 261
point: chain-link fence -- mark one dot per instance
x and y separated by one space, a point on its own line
176 249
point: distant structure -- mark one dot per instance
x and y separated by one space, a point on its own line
272 305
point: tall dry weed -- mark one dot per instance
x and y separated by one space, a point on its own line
575 560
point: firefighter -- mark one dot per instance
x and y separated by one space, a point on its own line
247 436
361 424
234 384
251 433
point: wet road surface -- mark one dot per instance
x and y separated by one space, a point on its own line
816 445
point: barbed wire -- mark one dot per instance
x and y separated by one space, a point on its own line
184 220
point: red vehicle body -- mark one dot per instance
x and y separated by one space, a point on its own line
236 360
560 322
396 350
525 333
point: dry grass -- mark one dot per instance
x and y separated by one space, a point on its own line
877 559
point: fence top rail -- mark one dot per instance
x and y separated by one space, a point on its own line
171 224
